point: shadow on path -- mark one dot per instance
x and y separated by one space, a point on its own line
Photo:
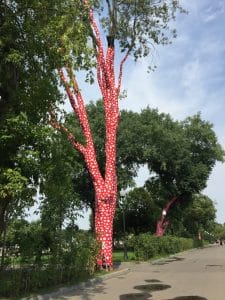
155 285
189 298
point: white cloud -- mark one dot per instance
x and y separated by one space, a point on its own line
179 99
189 78
192 81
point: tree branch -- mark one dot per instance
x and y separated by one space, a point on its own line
109 8
102 74
59 126
68 91
121 71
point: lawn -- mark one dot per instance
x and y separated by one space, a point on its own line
118 255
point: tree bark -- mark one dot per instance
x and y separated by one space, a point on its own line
3 250
104 215
105 186
163 223
3 207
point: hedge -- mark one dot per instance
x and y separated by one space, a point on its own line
147 246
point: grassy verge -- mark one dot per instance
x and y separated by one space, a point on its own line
118 256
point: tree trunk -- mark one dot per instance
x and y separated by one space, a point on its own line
104 215
163 223
161 227
105 186
92 206
3 206
2 223
3 250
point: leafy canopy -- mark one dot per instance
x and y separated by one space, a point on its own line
138 25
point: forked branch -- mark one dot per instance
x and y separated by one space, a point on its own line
59 126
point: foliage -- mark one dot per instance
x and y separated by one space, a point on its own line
27 240
179 171
12 183
60 202
27 78
219 231
41 262
27 87
22 144
199 216
183 169
138 26
147 246
139 212
192 151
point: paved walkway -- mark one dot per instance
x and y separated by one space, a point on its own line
197 273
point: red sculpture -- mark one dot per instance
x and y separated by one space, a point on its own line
105 187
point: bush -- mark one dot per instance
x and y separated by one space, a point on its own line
74 260
198 243
147 246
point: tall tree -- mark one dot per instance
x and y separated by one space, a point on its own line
183 169
65 37
35 37
27 87
133 27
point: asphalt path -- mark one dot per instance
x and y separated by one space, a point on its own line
192 275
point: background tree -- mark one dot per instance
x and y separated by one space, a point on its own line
59 201
20 147
199 216
181 170
27 87
139 212
136 143
219 231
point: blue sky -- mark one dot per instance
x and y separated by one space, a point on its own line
190 77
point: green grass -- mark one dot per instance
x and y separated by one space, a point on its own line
118 255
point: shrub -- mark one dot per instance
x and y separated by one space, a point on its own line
147 246
72 261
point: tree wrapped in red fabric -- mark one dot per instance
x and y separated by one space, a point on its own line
132 26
